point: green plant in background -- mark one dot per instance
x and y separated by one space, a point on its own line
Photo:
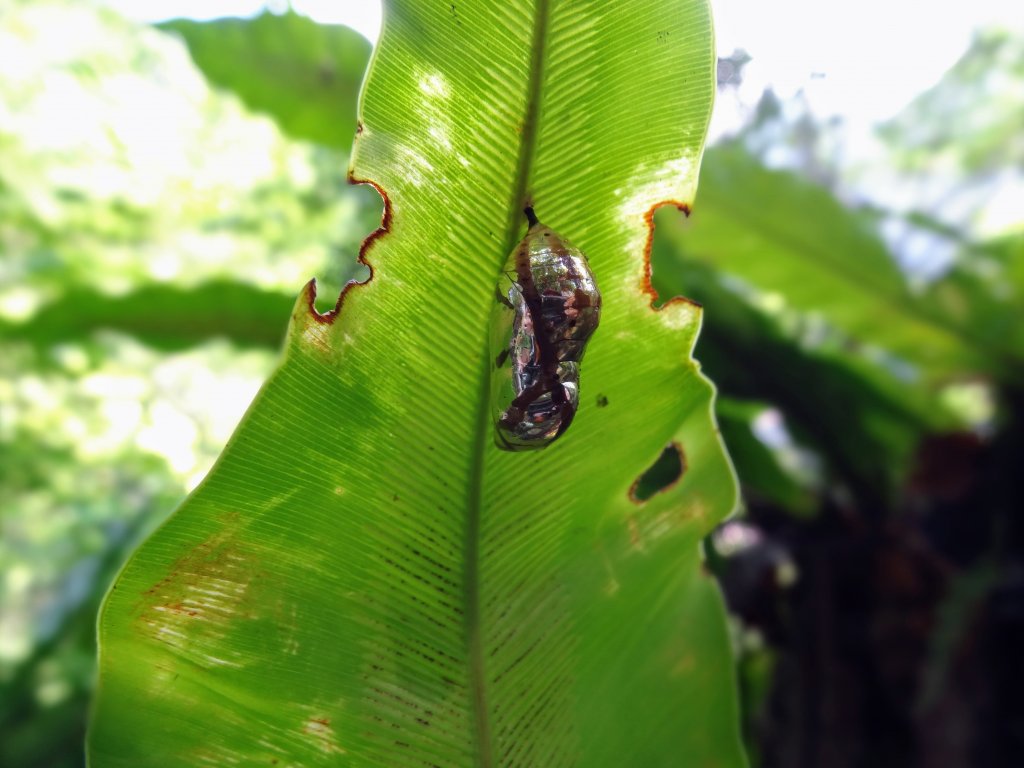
874 414
871 372
364 576
130 228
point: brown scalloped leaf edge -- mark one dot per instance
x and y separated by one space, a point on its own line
645 282
331 315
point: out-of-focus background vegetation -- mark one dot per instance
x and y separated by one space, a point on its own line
166 190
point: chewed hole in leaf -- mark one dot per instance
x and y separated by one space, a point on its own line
352 269
326 296
661 475
661 254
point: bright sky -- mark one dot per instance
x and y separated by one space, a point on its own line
361 15
868 57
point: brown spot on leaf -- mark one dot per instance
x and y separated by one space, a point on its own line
319 728
206 587
684 665
181 609
634 531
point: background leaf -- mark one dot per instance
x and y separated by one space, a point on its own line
164 316
364 578
983 291
302 73
787 236
762 473
751 355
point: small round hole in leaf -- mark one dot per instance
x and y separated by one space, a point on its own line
661 475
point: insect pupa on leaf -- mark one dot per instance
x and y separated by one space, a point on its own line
547 306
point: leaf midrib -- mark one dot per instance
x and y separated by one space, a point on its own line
524 167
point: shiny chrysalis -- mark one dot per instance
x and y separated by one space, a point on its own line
546 307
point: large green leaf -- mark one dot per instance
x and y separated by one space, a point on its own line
364 578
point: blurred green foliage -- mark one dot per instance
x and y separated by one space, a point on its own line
148 258
872 364
970 122
132 195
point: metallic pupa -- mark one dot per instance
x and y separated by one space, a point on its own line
546 307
